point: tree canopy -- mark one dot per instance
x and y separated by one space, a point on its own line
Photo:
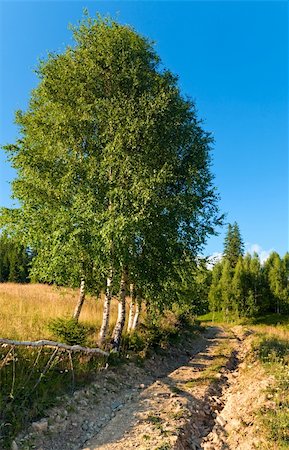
113 165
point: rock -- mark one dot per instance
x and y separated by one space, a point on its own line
14 446
85 426
221 421
54 428
40 426
142 386
115 405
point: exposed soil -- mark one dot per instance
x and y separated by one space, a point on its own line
197 396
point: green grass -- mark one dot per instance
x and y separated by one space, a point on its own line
212 317
266 319
271 319
273 352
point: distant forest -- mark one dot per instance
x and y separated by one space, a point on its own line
243 287
236 286
15 261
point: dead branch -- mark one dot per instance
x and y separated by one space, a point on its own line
52 344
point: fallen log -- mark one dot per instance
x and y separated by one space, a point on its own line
52 344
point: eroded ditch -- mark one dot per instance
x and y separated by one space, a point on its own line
206 427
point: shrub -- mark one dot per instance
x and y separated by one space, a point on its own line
69 331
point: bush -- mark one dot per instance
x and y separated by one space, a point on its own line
69 331
273 350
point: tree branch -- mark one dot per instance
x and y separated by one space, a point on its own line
52 344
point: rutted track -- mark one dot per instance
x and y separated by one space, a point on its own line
174 402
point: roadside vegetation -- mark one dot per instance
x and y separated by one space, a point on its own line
116 201
272 349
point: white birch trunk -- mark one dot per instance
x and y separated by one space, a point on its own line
137 314
117 332
106 310
131 308
81 299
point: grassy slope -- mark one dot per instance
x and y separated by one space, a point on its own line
27 308
31 380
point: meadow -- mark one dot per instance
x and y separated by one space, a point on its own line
31 380
26 310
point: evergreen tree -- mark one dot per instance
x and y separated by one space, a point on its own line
215 291
233 244
226 289
239 288
286 268
277 282
256 285
14 261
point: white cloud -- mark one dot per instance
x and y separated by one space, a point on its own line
263 254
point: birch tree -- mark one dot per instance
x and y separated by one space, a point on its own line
113 168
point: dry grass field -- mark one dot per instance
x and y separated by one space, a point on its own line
25 309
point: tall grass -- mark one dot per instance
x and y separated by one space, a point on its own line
26 309
31 379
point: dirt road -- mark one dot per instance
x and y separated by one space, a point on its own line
193 397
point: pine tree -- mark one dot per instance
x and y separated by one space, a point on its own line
233 244
286 268
14 261
257 301
277 282
215 291
239 290
226 289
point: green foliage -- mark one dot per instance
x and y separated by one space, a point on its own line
233 245
277 277
157 334
274 353
241 287
113 166
273 350
271 319
14 261
215 290
69 331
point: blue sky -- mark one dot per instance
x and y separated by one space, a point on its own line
231 58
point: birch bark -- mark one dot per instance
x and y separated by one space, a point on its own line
137 314
106 310
117 332
131 307
81 299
